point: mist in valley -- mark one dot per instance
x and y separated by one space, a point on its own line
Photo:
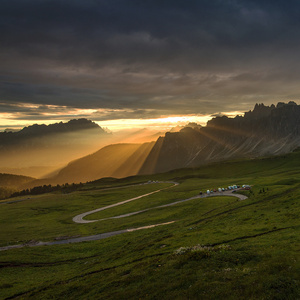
44 156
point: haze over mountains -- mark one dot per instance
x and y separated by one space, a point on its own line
118 160
267 130
38 149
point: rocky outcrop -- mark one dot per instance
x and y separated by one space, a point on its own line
267 130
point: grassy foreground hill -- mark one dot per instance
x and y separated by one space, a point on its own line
216 248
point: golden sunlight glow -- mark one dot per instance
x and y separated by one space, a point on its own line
75 112
232 114
10 120
164 123
49 114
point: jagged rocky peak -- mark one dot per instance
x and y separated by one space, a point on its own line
193 125
263 108
266 130
219 121
190 127
260 107
260 110
282 104
82 124
263 117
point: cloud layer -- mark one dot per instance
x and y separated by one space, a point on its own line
148 58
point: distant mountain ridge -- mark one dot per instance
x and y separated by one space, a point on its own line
48 147
11 183
267 130
44 130
15 181
117 160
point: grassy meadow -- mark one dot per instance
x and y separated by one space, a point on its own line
217 248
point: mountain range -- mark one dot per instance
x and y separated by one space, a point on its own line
264 131
118 160
39 149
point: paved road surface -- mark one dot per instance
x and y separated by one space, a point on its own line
84 238
79 219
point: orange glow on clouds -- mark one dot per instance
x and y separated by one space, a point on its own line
164 123
26 114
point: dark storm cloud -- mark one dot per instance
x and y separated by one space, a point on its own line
177 56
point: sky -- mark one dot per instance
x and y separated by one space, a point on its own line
131 63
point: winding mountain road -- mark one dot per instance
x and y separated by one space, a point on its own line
79 219
95 237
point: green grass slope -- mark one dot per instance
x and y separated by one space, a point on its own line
217 248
